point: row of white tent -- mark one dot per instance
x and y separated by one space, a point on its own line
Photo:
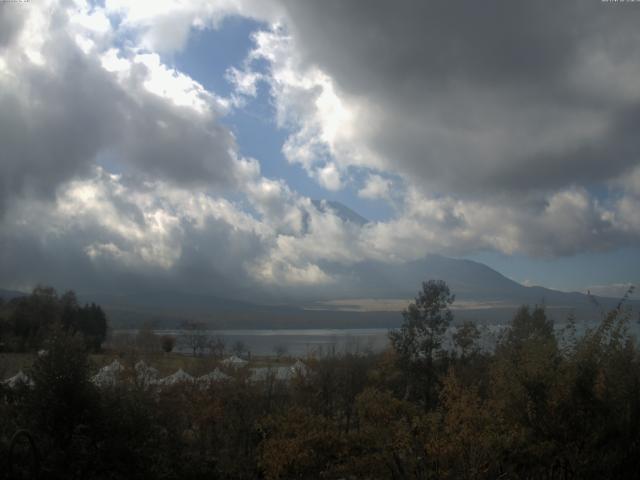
146 375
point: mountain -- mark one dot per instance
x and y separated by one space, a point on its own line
340 210
9 294
482 294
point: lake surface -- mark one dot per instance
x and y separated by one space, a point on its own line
305 342
302 342
297 343
293 342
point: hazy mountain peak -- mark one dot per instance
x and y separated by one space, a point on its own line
341 210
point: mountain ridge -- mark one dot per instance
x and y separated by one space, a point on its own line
482 293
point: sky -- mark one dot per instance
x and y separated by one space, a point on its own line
194 145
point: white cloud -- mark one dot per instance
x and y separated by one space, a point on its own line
164 25
168 215
323 122
375 187
329 177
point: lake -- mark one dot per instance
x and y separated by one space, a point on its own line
305 342
295 342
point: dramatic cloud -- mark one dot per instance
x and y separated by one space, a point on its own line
516 114
65 102
165 25
478 98
497 126
375 187
131 231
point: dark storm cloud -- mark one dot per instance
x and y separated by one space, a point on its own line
486 96
56 118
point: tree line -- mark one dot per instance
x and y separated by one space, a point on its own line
543 403
26 322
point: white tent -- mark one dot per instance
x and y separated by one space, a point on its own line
107 376
234 361
299 368
211 377
178 377
19 378
145 374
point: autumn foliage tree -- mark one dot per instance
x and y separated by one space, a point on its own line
418 342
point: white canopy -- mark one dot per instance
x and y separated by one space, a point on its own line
19 378
234 361
299 368
177 377
108 375
215 376
145 374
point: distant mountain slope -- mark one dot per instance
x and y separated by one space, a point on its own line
9 294
473 283
481 294
341 210
468 279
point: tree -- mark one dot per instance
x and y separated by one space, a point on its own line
526 327
466 337
194 335
216 347
146 339
167 342
63 398
420 337
31 317
238 347
280 350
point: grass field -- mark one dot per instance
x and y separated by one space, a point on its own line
12 363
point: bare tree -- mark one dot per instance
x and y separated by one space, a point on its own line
238 347
168 342
146 340
194 335
216 347
280 350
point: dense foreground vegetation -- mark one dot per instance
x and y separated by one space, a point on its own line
542 404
